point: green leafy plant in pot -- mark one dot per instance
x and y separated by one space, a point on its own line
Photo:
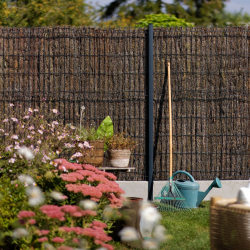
119 150
97 141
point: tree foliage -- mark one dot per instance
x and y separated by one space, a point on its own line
162 20
37 13
200 12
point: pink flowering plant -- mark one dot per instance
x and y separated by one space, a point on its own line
85 224
84 196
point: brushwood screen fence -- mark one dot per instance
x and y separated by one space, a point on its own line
106 71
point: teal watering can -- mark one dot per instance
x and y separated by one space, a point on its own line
190 189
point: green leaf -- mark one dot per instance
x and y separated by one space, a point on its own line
105 130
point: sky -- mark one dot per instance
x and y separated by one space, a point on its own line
231 5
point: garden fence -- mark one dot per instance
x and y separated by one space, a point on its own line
106 71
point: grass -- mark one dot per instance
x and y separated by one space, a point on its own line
189 230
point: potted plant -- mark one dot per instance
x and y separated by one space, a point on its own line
119 150
95 138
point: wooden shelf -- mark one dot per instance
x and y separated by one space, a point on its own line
116 169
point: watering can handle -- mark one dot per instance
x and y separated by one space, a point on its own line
186 173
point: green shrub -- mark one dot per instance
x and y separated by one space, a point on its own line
162 20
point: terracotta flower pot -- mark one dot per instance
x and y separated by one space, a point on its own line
93 156
119 158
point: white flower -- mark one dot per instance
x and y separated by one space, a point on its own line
19 233
31 128
64 169
36 110
149 218
30 110
88 204
26 152
82 108
80 145
14 136
39 142
17 147
55 123
12 160
54 111
57 196
86 144
128 234
26 117
14 119
35 196
159 233
47 246
150 214
150 244
26 179
40 131
11 104
8 148
2 130
5 120
108 213
77 154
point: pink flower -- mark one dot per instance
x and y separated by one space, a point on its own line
89 167
32 221
26 117
11 104
30 110
58 240
77 214
99 224
1 130
89 212
72 177
25 214
14 137
43 239
69 208
36 110
5 120
40 131
44 232
75 240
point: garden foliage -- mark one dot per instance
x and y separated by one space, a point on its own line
47 201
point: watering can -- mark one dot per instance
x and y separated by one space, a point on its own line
190 189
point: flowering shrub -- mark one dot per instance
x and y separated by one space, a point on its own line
42 133
83 225
58 204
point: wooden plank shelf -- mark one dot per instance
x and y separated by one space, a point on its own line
116 169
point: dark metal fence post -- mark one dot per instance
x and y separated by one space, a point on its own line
150 112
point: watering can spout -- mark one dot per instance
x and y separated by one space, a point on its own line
201 195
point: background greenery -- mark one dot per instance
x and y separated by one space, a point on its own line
119 13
